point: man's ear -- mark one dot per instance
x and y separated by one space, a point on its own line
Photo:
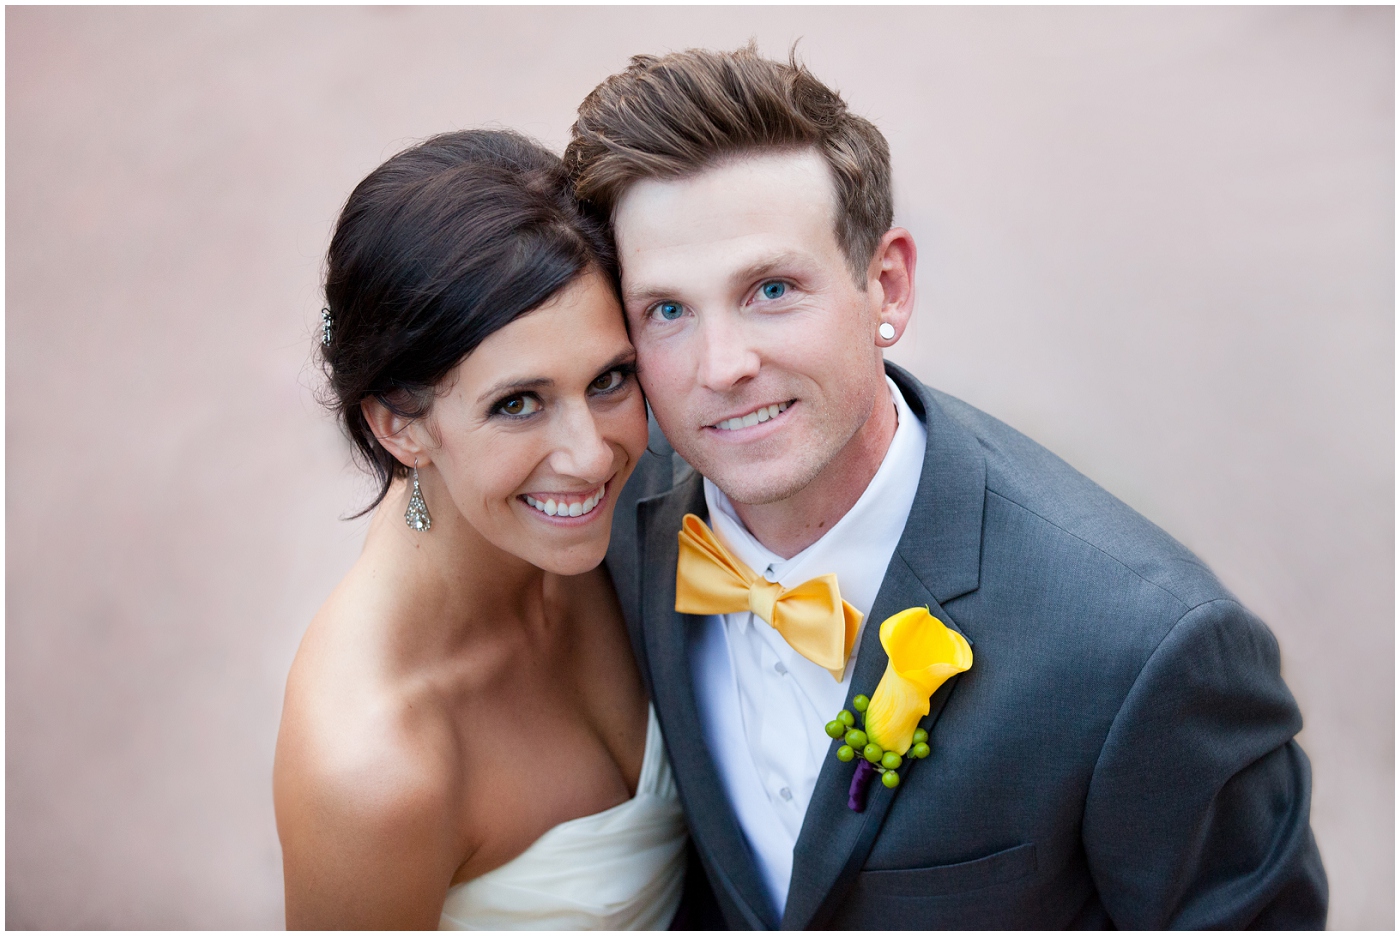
396 433
891 278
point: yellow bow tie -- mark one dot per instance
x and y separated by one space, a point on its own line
811 617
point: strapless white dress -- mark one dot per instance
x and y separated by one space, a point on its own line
620 869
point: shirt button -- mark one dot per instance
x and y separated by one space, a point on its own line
779 668
769 575
785 793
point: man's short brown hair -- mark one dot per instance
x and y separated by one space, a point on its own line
674 115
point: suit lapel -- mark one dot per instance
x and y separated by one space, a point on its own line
713 824
937 559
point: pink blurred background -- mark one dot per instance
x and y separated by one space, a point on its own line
1160 241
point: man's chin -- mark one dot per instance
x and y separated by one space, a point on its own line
757 487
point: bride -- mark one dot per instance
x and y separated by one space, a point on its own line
465 740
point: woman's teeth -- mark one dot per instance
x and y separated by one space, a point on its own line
762 414
560 508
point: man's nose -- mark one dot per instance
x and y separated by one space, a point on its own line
727 356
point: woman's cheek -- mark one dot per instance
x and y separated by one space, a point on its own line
633 428
501 466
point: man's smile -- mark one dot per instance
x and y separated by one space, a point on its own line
752 418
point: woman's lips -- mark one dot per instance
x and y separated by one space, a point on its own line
567 506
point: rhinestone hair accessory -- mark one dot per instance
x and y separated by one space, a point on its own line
417 514
325 328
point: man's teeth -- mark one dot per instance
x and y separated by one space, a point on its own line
561 509
762 414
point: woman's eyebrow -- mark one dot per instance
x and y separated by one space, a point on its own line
523 384
516 385
627 356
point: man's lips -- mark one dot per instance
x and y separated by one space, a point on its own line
752 418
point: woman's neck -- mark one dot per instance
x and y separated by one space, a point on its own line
460 587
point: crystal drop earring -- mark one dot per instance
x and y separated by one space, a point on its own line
417 514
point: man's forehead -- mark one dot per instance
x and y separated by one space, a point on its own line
735 195
766 202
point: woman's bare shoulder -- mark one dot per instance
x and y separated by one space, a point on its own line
367 776
350 711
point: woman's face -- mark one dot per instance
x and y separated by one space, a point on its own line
539 427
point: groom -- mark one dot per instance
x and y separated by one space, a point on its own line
1120 753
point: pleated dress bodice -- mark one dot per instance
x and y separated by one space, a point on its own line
620 869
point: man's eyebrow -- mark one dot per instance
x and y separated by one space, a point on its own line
512 386
647 294
777 263
785 261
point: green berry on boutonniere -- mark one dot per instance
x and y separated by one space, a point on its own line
923 653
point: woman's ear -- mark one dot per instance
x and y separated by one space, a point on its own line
396 433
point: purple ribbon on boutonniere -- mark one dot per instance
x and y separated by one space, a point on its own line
860 784
923 654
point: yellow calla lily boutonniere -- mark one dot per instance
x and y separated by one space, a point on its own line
923 654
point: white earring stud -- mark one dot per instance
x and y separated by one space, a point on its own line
886 331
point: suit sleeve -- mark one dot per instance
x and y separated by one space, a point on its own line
1197 814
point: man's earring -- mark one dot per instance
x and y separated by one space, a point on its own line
417 514
886 331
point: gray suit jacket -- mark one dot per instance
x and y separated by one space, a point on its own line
1120 754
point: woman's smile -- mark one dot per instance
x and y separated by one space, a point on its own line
580 506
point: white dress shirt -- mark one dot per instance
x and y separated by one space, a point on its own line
764 706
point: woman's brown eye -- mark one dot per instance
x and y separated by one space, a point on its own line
514 406
606 381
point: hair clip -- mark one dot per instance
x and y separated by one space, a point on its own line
326 327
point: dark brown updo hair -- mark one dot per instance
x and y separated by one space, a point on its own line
439 247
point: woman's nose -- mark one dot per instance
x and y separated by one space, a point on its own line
581 451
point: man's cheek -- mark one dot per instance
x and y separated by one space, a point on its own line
664 377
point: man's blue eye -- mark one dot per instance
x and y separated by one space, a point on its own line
669 310
774 290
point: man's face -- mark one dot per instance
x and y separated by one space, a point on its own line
755 346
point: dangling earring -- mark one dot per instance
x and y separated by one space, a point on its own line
417 514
